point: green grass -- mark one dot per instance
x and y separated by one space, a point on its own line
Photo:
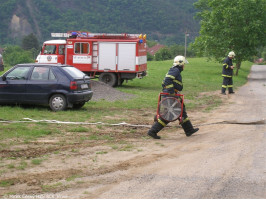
101 152
6 183
22 165
73 177
79 129
21 130
198 76
49 188
36 161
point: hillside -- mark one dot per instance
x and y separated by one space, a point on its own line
162 20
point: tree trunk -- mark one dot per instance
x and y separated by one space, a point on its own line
238 64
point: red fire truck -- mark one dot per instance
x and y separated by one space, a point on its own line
112 58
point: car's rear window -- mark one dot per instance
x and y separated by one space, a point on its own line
74 72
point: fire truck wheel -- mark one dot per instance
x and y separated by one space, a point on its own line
57 102
108 78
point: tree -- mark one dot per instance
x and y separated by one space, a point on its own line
30 42
177 50
228 25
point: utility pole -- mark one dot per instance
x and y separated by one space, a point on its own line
186 35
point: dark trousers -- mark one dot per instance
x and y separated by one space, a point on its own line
184 114
160 123
227 82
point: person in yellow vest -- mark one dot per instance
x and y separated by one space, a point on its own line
227 74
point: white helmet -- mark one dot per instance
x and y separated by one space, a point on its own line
179 60
231 54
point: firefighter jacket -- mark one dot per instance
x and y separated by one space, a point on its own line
173 80
227 71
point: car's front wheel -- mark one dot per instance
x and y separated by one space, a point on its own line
57 102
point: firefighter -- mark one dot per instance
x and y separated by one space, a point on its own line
172 84
227 74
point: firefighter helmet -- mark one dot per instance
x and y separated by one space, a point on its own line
231 54
179 60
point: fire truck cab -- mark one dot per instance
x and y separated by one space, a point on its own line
112 58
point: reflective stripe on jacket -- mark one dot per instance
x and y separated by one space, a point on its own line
173 80
227 71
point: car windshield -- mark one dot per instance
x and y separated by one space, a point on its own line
74 72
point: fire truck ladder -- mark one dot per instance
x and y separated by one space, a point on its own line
97 35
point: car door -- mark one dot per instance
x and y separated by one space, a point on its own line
13 88
42 82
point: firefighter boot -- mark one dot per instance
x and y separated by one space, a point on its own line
156 127
188 128
231 90
223 91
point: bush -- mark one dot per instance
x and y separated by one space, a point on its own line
172 51
15 55
163 54
263 55
149 56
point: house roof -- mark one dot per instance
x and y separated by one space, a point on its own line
153 50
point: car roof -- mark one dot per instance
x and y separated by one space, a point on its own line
42 65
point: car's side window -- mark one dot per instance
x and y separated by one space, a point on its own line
51 75
42 74
19 73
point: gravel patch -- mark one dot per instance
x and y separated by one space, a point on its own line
102 91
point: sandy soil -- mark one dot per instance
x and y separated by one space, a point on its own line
225 159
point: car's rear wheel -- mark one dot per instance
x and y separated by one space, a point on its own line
58 102
78 105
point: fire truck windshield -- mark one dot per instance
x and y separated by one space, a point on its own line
49 49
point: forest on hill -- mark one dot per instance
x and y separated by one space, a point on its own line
165 21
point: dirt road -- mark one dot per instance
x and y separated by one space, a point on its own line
222 161
225 159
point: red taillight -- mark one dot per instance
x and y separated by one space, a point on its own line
73 85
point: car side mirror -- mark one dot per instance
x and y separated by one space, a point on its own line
4 78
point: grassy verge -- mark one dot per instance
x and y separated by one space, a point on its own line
199 76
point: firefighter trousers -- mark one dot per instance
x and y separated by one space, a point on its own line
164 122
227 82
160 123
